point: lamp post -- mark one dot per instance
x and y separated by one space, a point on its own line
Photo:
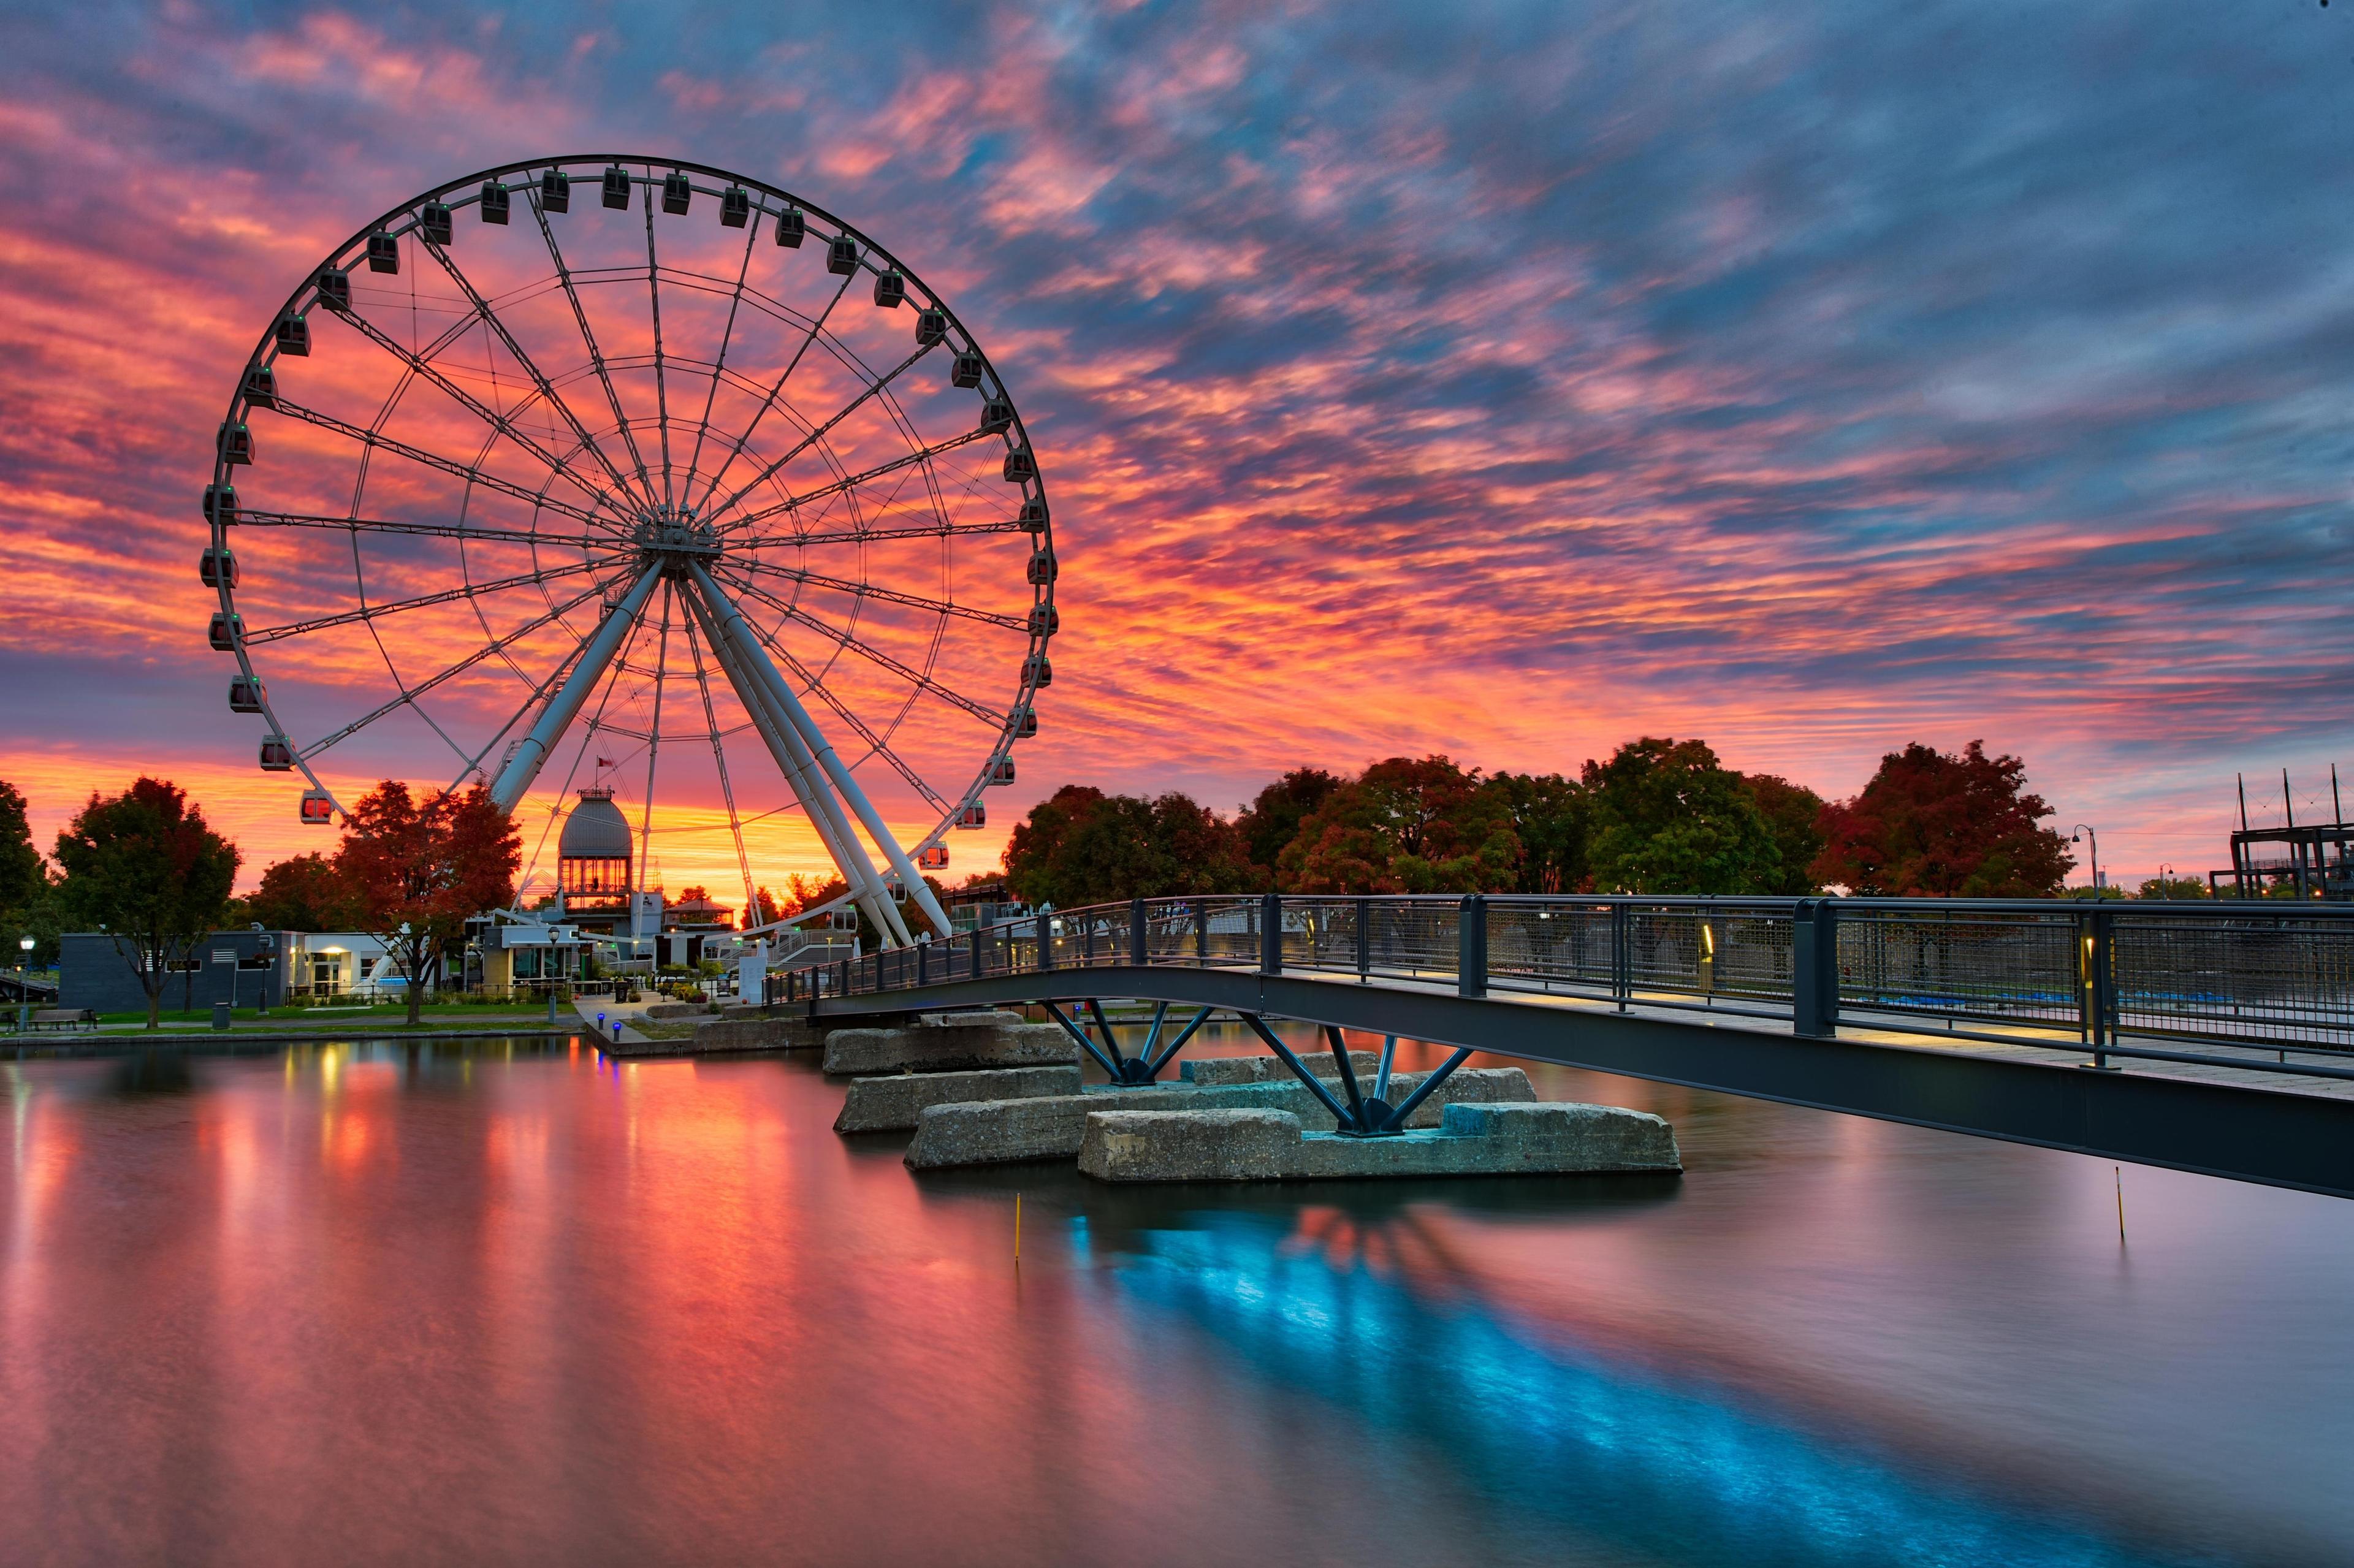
2165 875
2080 835
23 998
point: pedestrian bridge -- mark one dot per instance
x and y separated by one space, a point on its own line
2212 1037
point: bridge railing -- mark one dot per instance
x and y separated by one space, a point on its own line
2258 973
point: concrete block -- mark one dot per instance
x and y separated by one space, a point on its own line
896 1101
1213 1072
777 1032
948 1044
1607 1136
1055 1127
1205 1145
1472 1141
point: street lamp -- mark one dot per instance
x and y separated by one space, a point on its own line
23 996
2080 835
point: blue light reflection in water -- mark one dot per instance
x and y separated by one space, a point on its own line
1593 1445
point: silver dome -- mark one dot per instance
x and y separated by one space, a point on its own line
596 830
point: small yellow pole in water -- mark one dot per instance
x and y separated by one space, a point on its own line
1017 1225
2113 1171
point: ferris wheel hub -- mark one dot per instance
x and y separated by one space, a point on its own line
673 536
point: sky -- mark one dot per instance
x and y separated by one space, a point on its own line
1505 381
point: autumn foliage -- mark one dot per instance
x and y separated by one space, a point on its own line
417 867
1936 824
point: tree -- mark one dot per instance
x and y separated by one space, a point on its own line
1549 816
1936 824
1793 816
145 868
421 868
1668 818
305 893
1082 846
1272 819
1406 825
2173 887
23 878
765 910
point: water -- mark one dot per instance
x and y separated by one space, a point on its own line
467 1303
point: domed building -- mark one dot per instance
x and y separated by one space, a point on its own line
595 869
596 856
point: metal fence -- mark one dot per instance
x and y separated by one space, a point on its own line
2257 974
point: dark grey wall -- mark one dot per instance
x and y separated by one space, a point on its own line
93 972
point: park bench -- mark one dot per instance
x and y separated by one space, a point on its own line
64 1018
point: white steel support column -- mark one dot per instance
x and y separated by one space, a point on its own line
514 780
801 772
757 658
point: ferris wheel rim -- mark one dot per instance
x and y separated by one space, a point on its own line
605 560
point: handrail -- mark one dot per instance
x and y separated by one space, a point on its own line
2218 974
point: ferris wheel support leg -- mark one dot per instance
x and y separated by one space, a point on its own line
801 772
515 778
815 739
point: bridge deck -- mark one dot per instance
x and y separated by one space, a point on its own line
2020 1084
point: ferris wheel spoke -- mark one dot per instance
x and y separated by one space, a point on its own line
872 654
411 693
735 449
374 441
429 372
661 386
654 740
445 596
461 531
875 743
539 378
719 366
818 432
889 596
872 535
719 760
851 481
645 490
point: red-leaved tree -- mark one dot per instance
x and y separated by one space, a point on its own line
1937 825
420 867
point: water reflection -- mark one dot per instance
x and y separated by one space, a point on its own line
1339 1310
439 1300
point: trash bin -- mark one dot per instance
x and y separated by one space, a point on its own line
220 1015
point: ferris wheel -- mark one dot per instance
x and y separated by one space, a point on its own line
647 469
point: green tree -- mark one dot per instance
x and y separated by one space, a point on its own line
1272 819
22 877
2173 887
1551 818
421 868
305 893
1082 846
1793 815
1939 824
143 867
1406 825
1668 818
